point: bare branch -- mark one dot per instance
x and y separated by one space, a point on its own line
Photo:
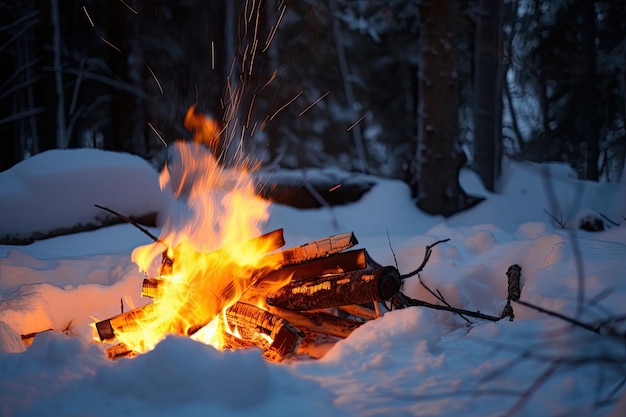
427 254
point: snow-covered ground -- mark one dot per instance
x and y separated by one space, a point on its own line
411 362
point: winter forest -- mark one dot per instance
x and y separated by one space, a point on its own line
312 207
360 85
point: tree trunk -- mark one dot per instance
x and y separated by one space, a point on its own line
438 158
487 93
587 97
62 139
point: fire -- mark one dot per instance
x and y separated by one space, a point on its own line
210 257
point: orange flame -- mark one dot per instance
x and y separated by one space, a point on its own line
205 129
209 236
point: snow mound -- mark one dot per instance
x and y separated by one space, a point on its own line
56 191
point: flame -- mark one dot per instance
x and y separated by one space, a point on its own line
205 129
210 258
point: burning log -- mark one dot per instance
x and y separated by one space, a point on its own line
339 263
318 322
127 322
270 241
333 264
358 287
119 351
316 249
252 322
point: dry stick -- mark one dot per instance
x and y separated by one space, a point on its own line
438 296
429 250
131 221
408 301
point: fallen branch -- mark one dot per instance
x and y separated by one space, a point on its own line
402 300
429 250
131 221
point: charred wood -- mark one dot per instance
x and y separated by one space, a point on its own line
358 287
318 322
251 322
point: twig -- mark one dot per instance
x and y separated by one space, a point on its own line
408 301
596 329
395 260
561 222
605 217
131 221
439 296
427 254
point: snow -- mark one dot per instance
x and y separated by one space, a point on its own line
411 362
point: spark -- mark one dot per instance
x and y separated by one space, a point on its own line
334 188
212 55
273 30
155 78
157 133
313 104
110 44
286 104
356 123
272 78
128 7
88 17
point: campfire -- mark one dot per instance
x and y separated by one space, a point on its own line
282 310
214 277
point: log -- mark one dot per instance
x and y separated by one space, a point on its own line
119 351
313 250
333 264
338 263
358 287
252 322
124 323
359 311
271 241
318 322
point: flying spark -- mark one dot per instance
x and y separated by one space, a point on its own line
155 78
313 104
286 104
334 188
356 123
274 29
157 133
212 55
110 44
88 17
128 7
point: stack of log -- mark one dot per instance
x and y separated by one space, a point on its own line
331 289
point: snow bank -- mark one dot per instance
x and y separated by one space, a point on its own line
57 190
412 362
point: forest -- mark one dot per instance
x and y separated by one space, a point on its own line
394 88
